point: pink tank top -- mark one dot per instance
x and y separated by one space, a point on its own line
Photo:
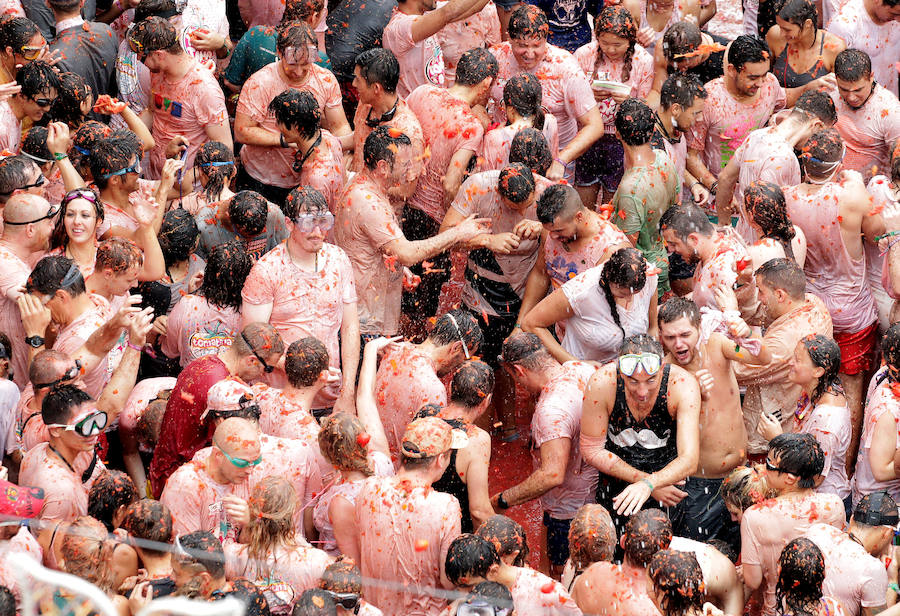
831 273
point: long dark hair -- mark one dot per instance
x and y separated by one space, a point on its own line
227 268
626 268
524 94
618 21
765 204
801 572
826 354
217 176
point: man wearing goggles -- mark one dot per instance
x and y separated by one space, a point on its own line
640 428
66 466
342 582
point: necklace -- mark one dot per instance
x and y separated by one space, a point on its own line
66 462
298 164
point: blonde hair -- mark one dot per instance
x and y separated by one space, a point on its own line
339 442
592 536
745 487
87 552
273 506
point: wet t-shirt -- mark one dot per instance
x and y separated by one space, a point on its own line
880 41
640 78
65 495
530 595
497 142
479 30
420 63
564 265
196 328
403 120
869 132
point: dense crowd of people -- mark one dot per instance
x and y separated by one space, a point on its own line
279 277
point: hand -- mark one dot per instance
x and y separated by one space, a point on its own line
503 243
619 97
700 194
8 89
35 316
528 229
556 171
706 381
891 215
601 95
170 169
738 328
107 105
140 326
176 146
204 40
632 498
122 318
669 495
892 553
471 227
140 597
50 57
236 510
144 206
195 282
58 138
711 610
725 298
826 82
645 35
410 280
161 325
379 344
768 427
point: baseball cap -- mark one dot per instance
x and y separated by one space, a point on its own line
230 398
431 436
876 509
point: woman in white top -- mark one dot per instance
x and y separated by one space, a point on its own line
821 410
779 238
600 307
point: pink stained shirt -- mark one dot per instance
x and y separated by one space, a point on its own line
14 274
479 30
30 424
496 143
882 400
405 531
186 107
530 596
830 425
726 123
767 527
557 415
364 222
22 543
405 382
563 265
831 273
324 169
640 78
566 91
10 129
764 156
144 391
730 258
852 575
304 303
404 120
869 132
273 165
882 42
421 62
65 496
301 566
75 334
196 328
449 125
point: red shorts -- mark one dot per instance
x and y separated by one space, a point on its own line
858 349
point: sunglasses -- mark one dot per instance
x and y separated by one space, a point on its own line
51 213
459 333
307 223
70 375
480 607
239 462
774 469
135 168
44 103
649 362
88 426
269 369
30 52
347 600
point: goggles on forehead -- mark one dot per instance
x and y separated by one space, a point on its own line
648 362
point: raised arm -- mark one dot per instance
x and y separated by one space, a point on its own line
432 21
366 408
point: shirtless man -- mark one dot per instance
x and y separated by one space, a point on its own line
723 438
640 387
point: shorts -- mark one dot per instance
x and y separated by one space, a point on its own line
857 349
603 163
495 331
705 516
557 539
422 302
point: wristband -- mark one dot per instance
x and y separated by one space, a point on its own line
888 234
562 162
893 586
889 246
136 347
60 155
647 481
501 502
281 140
714 187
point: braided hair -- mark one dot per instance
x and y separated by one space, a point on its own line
618 21
626 268
826 354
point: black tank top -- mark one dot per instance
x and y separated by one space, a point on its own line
647 445
450 483
789 78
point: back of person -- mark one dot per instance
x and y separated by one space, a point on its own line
90 50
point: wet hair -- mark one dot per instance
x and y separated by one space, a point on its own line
646 532
746 486
304 360
227 267
87 552
59 402
71 91
821 154
314 602
64 5
178 235
826 354
471 384
516 182
801 573
297 110
747 49
248 211
217 176
635 122
852 65
150 8
36 78
529 146
294 34
110 155
154 34
379 65
7 602
676 308
798 12
784 274
525 349
507 535
680 39
524 93
149 520
16 33
14 172
150 422
800 455
469 556
304 199
47 366
339 443
273 504
890 348
261 338
60 238
84 141
683 89
528 21
455 326
494 593
204 549
111 491
34 145
618 21
382 144
475 66
684 219
50 272
558 201
818 104
118 254
765 204
6 352
678 578
248 593
342 576
592 536
641 343
625 268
